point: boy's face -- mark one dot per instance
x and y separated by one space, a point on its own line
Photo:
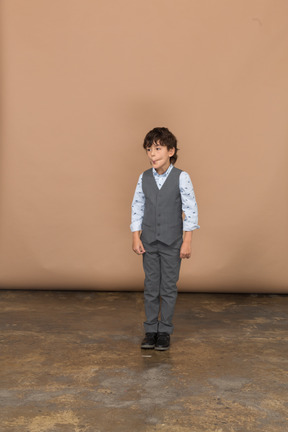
159 157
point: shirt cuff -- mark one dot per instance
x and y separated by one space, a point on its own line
190 227
136 226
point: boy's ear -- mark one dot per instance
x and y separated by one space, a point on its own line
171 152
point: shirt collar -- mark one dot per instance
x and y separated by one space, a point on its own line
165 174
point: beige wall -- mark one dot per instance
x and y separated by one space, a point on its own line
84 80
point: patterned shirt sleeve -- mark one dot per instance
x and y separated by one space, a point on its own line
189 205
138 204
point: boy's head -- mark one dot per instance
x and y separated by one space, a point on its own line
162 136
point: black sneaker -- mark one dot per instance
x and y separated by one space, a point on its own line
163 342
149 341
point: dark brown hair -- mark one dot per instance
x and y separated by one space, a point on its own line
164 137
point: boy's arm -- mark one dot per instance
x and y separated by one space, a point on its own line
189 205
137 244
185 251
137 217
190 210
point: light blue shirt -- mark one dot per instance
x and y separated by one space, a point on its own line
189 205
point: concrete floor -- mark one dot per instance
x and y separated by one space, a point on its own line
70 361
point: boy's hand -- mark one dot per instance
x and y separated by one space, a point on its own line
137 244
185 251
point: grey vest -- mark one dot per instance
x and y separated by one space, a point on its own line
163 209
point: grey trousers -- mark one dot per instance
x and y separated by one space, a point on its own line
161 265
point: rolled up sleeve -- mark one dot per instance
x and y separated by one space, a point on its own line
138 205
189 204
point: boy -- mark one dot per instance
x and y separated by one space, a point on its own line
161 195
